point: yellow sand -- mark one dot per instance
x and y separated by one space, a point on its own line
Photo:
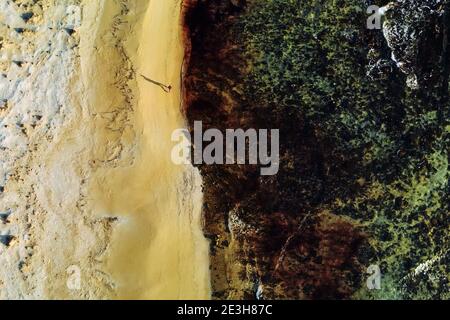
157 248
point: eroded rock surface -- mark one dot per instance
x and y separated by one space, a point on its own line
417 34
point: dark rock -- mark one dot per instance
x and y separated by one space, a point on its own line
6 239
416 33
26 16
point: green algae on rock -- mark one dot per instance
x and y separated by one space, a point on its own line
363 174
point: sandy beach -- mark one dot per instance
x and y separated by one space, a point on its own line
159 252
89 188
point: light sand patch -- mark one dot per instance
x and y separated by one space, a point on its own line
45 141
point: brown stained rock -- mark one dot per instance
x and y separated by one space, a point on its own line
321 261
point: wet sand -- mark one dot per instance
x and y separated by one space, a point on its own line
157 249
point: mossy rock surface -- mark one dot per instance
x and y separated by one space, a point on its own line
364 155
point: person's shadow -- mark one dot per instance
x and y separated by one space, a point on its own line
161 85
